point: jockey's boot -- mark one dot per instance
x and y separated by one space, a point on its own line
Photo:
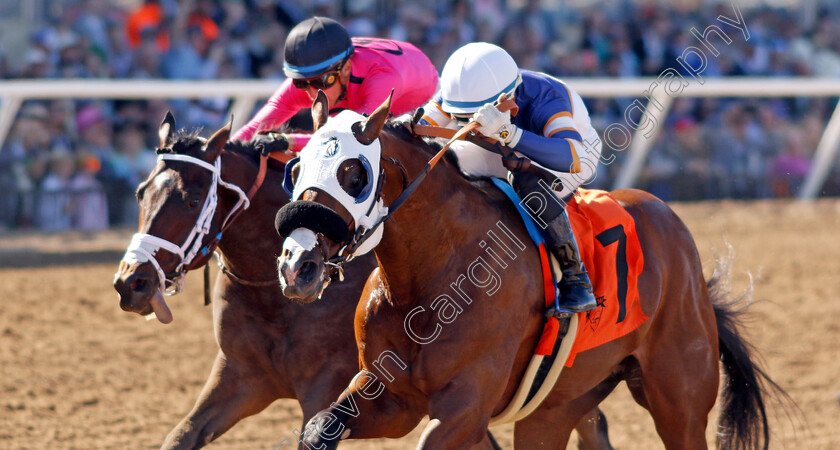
549 213
575 288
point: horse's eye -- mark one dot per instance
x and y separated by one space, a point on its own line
195 201
352 177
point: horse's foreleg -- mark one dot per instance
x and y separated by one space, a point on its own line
460 414
231 393
362 412
487 443
592 431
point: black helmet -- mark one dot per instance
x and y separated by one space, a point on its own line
314 46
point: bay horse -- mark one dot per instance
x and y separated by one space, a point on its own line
471 368
269 348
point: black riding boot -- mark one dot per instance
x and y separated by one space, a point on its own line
549 214
575 288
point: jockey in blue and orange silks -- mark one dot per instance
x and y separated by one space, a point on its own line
356 74
550 126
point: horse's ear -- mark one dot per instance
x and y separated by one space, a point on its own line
217 142
373 125
167 127
320 110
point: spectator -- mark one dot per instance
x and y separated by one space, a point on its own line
740 154
54 211
211 39
35 64
145 59
23 162
147 19
59 124
89 206
790 167
119 52
193 54
116 175
92 24
71 57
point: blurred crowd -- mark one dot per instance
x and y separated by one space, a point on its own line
76 163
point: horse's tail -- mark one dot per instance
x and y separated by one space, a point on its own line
743 418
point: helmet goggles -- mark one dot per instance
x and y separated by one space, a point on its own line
322 82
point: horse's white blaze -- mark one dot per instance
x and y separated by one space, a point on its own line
301 239
162 179
332 145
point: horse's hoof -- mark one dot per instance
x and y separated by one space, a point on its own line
323 431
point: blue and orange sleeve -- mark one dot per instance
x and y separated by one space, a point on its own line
550 136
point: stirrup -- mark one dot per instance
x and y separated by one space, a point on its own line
561 313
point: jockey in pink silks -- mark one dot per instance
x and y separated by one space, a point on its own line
356 74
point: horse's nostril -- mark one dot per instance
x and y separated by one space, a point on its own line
139 285
307 272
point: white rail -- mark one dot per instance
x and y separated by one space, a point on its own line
245 93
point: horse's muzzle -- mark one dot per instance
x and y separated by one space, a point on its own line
135 290
302 274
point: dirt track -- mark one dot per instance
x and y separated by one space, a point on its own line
77 372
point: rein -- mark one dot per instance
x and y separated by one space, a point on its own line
346 254
236 278
237 210
144 247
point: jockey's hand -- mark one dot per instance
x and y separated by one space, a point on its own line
272 142
408 120
496 125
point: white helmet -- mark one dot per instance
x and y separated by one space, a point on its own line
476 74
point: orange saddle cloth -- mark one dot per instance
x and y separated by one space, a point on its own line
611 253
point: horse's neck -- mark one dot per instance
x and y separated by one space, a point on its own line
443 221
250 244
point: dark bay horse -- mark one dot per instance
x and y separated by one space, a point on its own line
462 365
269 348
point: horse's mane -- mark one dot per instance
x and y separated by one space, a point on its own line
189 142
249 150
431 146
244 148
184 142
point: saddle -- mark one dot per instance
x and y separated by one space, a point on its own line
610 247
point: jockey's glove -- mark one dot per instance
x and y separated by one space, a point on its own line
496 125
408 120
271 142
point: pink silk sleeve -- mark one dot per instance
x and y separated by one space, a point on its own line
283 104
300 140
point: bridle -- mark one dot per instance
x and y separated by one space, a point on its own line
347 249
144 247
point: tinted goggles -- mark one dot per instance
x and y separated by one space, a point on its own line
322 82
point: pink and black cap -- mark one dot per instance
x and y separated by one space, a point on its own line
314 46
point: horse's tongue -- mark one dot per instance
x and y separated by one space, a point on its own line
164 315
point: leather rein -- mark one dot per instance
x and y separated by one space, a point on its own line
467 132
212 245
